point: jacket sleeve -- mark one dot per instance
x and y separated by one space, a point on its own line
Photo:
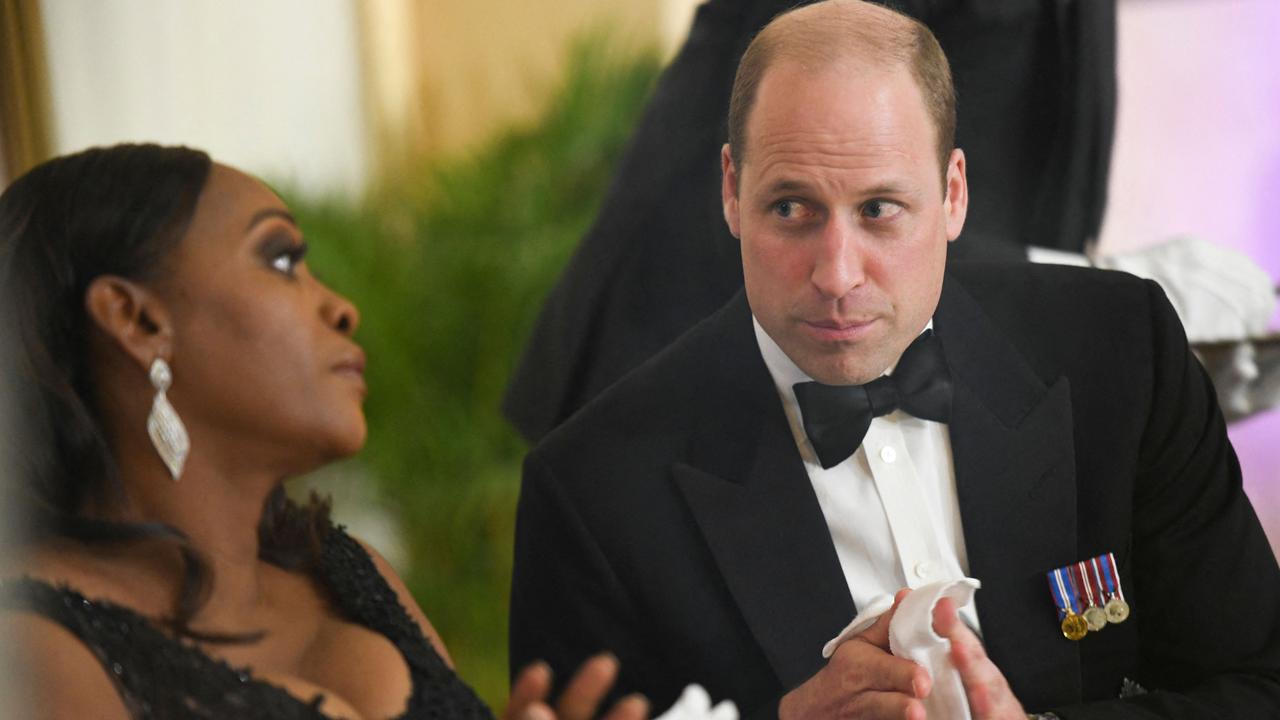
567 603
1209 625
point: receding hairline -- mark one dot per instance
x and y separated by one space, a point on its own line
832 33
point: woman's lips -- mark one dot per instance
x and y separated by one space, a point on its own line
353 367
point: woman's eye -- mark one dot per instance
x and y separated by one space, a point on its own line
284 262
881 209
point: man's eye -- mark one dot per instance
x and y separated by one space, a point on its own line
881 209
788 208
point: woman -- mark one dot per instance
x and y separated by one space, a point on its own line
183 362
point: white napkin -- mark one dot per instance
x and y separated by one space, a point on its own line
911 636
877 606
695 704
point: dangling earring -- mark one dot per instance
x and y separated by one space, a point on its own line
164 426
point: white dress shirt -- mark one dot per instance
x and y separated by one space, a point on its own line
891 507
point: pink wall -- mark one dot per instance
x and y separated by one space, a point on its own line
1198 151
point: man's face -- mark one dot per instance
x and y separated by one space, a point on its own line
842 217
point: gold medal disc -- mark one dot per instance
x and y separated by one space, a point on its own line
1117 610
1074 627
1096 618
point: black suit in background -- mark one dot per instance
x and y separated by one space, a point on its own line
1036 87
672 522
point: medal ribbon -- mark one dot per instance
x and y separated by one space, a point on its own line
1082 573
1113 573
1067 602
1096 576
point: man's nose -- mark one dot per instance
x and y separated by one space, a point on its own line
838 264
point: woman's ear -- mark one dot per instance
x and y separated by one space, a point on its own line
131 316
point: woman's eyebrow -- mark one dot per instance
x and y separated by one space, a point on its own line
270 213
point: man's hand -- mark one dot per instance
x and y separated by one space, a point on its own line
989 695
862 680
578 701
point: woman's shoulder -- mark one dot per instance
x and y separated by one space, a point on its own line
56 674
58 640
359 575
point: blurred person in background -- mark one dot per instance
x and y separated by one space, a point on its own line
10 441
180 362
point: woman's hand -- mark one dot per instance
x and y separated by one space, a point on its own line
579 699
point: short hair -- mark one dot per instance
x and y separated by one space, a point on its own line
884 36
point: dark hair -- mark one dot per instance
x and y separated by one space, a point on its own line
887 37
117 210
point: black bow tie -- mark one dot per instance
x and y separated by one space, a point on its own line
836 417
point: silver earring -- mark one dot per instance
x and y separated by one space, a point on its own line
168 435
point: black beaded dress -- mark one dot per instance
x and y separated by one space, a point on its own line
159 676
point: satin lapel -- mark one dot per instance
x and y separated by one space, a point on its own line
746 486
1011 440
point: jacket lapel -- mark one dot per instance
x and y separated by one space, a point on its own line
751 498
1011 441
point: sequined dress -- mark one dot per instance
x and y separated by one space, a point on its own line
162 677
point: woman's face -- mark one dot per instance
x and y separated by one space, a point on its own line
265 370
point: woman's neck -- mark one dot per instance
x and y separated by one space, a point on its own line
218 509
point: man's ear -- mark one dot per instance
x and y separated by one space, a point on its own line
729 190
131 316
956 203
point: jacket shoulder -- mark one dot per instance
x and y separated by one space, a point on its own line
1066 320
651 410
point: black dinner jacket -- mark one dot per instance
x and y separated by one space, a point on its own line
671 521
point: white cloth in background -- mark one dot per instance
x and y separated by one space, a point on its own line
911 636
695 704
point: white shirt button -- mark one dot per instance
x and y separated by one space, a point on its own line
924 570
888 454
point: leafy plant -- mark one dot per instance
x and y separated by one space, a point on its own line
448 267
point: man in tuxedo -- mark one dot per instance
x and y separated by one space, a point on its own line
867 417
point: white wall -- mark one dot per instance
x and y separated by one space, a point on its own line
1198 151
270 86
1198 133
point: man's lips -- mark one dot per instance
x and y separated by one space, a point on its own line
837 330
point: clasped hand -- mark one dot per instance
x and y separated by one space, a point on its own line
864 680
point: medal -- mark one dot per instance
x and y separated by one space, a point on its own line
1074 626
1094 615
1088 596
1117 608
